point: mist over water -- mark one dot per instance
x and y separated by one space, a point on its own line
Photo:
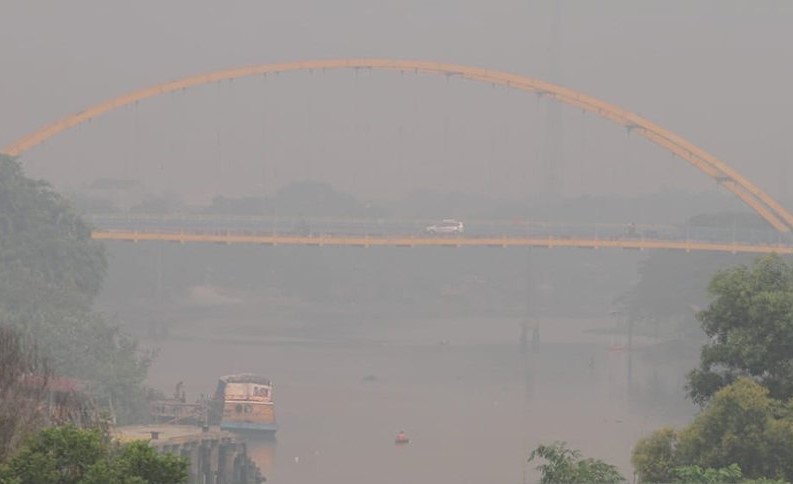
473 401
362 343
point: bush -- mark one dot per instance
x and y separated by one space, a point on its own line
69 455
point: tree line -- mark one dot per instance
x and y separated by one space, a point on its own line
66 371
743 384
50 274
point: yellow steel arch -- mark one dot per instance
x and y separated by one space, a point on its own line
759 201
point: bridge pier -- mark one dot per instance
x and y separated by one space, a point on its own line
629 350
530 326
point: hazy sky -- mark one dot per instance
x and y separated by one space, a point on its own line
717 72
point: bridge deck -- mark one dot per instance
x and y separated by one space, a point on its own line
428 241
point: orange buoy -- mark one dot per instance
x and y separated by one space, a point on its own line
401 438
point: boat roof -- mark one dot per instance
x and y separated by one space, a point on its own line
245 378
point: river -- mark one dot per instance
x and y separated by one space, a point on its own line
473 401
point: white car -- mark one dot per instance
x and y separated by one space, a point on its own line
448 226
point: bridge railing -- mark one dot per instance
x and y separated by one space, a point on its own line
514 228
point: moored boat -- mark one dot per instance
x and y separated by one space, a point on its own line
244 402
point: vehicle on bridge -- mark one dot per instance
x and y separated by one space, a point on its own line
447 226
244 403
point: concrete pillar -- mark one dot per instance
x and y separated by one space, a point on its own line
226 456
187 453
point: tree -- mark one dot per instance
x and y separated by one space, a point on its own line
696 474
50 272
724 475
566 466
669 285
58 455
138 460
750 326
67 454
672 284
654 457
44 245
20 413
741 426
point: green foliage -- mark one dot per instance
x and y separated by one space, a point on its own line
735 428
672 284
654 457
58 455
140 459
44 246
731 474
90 347
745 373
669 285
698 475
66 455
741 426
50 273
671 288
565 465
750 326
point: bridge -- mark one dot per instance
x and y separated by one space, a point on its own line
778 217
425 241
335 232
